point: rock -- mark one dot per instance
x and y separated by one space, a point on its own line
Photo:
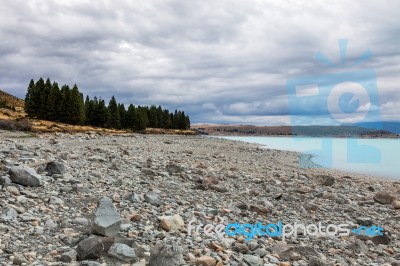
206 261
359 247
56 201
90 248
364 221
69 256
55 168
173 168
107 221
219 188
148 172
396 204
306 252
166 255
377 240
90 263
172 223
396 263
242 248
384 197
327 180
152 197
252 260
9 214
122 252
19 260
133 197
25 176
4 181
314 261
81 221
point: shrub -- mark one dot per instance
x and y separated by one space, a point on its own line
21 125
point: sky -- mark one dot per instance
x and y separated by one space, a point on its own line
221 61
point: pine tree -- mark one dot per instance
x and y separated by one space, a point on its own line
115 119
76 113
53 103
122 115
30 107
64 104
44 96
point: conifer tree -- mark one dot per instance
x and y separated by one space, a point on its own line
53 102
115 119
76 112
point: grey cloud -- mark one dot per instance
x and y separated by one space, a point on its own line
221 61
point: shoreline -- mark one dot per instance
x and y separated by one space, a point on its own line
306 159
159 183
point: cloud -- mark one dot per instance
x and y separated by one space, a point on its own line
222 61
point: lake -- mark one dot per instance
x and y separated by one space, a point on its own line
377 157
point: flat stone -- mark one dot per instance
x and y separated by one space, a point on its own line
9 214
107 220
206 261
152 197
384 197
69 256
25 176
122 252
252 260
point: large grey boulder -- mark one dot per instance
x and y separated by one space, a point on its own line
166 255
107 221
90 248
25 176
122 252
53 168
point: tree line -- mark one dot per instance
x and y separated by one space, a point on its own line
46 100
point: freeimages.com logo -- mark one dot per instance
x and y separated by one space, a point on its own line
344 97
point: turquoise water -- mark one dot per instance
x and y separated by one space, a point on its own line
378 157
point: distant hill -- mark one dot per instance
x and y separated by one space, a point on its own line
310 131
393 127
11 100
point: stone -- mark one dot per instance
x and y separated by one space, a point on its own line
107 220
306 252
396 204
55 168
9 214
69 256
122 252
219 188
327 180
19 259
172 223
56 201
166 255
206 261
25 176
359 247
384 197
364 221
173 168
148 172
4 181
90 248
242 248
152 197
90 263
314 261
252 260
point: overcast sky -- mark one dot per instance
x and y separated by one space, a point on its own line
220 61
